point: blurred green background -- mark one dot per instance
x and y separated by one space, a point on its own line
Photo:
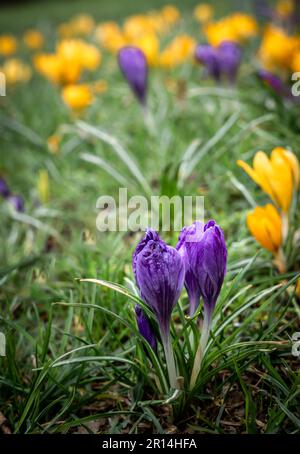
17 16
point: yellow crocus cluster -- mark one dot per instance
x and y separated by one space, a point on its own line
8 45
71 58
236 27
278 176
278 49
142 30
110 36
33 39
203 13
15 71
178 51
81 25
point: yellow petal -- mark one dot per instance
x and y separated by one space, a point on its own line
281 180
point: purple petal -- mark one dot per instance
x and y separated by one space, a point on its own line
159 272
208 56
17 202
4 189
145 327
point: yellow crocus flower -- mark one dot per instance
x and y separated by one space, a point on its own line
277 48
110 36
235 27
49 65
149 44
8 45
265 226
277 176
170 14
296 62
203 12
285 8
180 49
16 71
77 97
33 39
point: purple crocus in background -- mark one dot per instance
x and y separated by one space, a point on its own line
230 56
208 56
145 327
15 200
4 189
221 61
203 248
134 67
159 274
275 83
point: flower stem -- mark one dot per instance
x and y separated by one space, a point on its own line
169 354
201 347
280 261
285 225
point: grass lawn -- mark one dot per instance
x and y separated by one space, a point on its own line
75 361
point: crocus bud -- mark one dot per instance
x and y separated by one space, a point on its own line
208 56
145 327
159 273
17 202
208 261
133 64
4 189
205 255
229 59
185 246
207 258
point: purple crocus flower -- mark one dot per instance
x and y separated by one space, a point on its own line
133 64
208 259
185 244
17 202
229 59
208 56
159 274
205 257
274 82
145 327
4 189
221 61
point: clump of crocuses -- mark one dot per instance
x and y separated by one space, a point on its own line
220 62
198 262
